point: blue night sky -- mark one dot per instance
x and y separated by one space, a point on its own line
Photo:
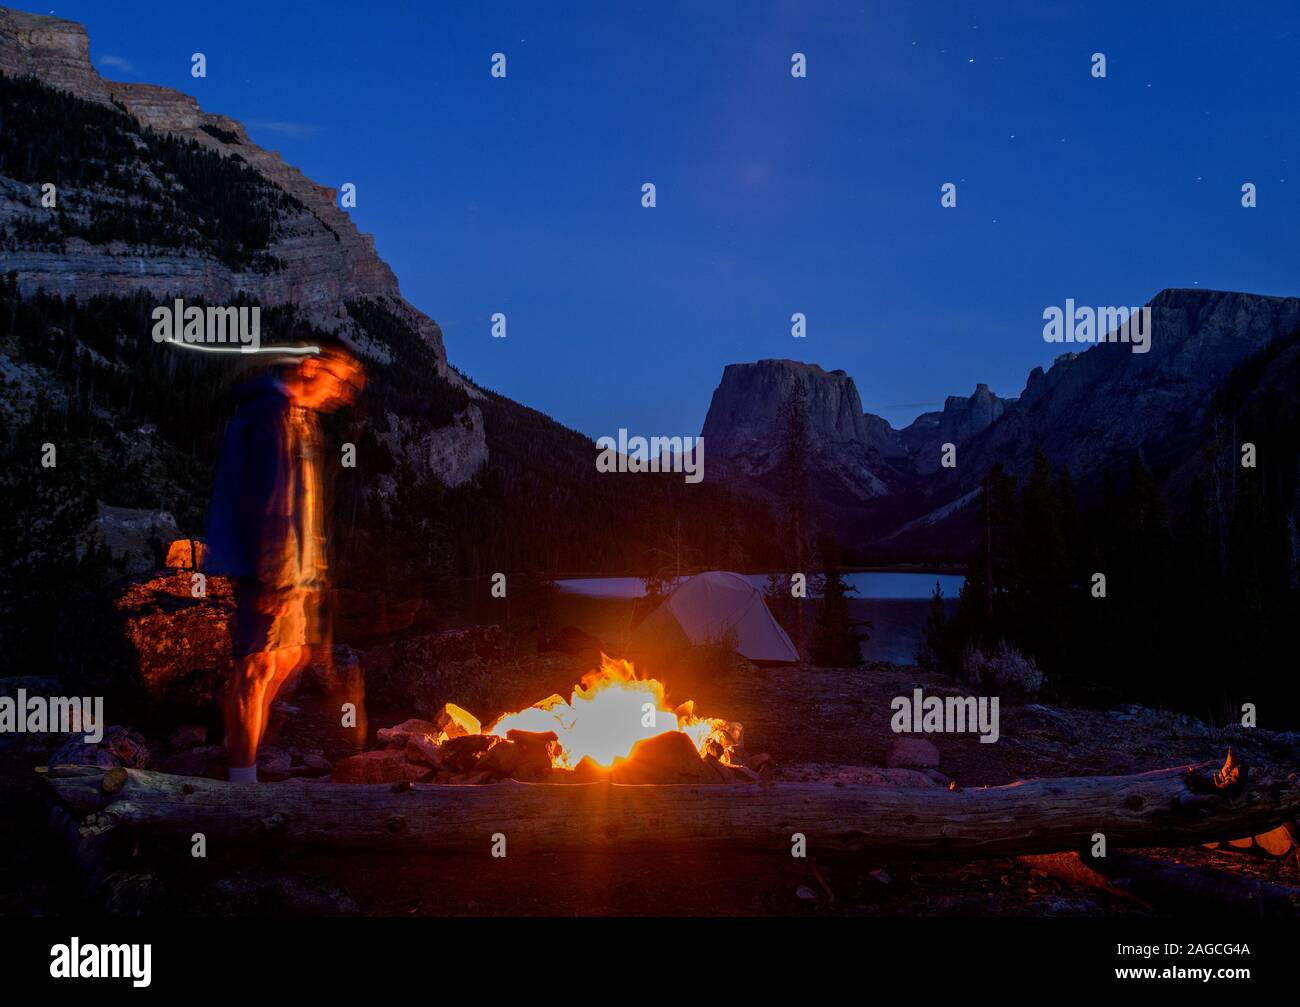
775 195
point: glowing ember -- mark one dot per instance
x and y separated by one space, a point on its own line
609 712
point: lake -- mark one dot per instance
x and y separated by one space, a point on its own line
896 603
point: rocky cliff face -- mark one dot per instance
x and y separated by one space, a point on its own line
320 261
1094 410
743 431
959 421
861 451
1090 410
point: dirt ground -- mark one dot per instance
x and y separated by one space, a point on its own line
817 724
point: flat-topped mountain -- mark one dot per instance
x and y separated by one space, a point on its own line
744 428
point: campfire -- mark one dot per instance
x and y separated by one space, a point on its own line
614 726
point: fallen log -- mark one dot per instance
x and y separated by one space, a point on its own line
1200 889
1169 807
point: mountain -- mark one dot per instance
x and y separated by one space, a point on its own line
743 430
156 196
855 458
1093 411
1090 412
959 421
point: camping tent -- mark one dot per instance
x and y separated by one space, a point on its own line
715 607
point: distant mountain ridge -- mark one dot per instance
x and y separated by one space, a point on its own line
1090 411
855 456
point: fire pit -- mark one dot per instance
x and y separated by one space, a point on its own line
614 726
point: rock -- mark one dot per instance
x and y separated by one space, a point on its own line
397 737
912 753
960 420
806 893
273 763
120 746
589 771
743 427
179 656
423 748
541 748
670 757
455 722
385 766
459 755
316 759
503 759
185 554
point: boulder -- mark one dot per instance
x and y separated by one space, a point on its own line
542 746
503 759
120 746
589 771
912 753
670 757
397 737
455 722
185 554
424 749
178 647
388 765
459 755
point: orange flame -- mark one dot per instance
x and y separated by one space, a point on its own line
610 711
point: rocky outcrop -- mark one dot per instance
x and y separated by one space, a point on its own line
321 261
960 420
1098 407
179 654
326 259
858 451
743 431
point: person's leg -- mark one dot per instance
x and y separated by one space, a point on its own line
287 661
245 707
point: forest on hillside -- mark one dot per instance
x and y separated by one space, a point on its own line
1190 603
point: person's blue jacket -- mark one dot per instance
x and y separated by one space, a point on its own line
252 524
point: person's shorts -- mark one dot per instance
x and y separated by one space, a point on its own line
253 631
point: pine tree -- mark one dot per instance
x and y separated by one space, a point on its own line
837 637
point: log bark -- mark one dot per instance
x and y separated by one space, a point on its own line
1169 807
1201 889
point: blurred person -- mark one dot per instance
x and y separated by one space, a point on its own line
266 531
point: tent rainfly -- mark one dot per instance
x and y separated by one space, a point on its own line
715 607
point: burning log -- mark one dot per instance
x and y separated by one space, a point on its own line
1037 816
